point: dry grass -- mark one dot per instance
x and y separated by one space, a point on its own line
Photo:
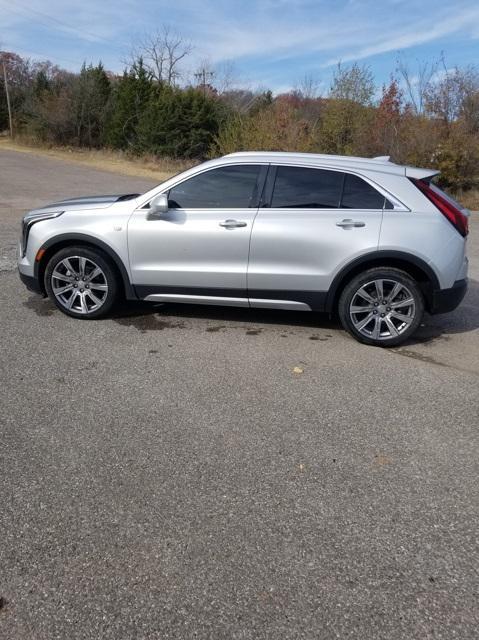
114 161
469 199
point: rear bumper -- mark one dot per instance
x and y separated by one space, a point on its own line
445 300
31 283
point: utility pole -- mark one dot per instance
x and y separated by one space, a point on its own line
202 76
8 99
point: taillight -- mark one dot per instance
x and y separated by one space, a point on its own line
455 216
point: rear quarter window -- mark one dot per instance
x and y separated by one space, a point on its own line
359 194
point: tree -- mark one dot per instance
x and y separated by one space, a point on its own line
417 83
449 98
19 75
387 120
130 97
355 83
276 127
91 94
345 128
179 123
308 87
162 52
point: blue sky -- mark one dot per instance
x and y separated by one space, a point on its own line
272 43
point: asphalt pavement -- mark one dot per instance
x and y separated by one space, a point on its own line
166 474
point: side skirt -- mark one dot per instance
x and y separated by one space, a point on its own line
260 299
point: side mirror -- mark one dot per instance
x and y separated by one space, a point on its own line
159 204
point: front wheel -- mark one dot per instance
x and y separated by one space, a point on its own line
81 282
381 306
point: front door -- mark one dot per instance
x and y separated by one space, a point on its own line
200 247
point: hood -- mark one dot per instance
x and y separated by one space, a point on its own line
87 202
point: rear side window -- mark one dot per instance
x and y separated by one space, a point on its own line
299 188
222 188
359 194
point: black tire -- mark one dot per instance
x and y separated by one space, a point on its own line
103 287
404 315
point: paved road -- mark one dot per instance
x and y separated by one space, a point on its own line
165 474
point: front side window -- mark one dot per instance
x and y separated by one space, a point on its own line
222 188
300 188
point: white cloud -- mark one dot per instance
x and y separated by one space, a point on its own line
255 33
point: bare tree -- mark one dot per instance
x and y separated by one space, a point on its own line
226 76
450 95
417 83
308 87
162 52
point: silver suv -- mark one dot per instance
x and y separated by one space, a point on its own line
377 242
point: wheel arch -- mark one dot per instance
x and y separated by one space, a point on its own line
414 266
67 239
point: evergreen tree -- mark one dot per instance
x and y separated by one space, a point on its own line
129 100
179 123
91 95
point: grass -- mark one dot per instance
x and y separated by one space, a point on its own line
105 159
469 199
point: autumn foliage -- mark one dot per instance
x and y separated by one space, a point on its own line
433 123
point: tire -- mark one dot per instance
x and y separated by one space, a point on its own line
82 282
363 314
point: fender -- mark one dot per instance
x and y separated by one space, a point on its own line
381 257
67 238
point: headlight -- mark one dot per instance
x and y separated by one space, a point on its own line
29 220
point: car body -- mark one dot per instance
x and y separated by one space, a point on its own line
263 230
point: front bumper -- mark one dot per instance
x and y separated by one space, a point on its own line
445 300
31 283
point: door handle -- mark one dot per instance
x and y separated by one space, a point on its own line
347 223
231 224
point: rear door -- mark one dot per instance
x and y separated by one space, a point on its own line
312 222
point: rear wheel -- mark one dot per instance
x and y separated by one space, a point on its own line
381 306
81 282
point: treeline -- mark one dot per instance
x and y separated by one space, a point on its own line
431 119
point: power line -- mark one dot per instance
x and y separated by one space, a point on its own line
61 23
41 56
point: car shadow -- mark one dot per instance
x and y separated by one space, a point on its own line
153 316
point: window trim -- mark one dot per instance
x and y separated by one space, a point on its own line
271 180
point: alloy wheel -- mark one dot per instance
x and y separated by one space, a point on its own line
79 284
382 309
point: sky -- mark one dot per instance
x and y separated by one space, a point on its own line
267 43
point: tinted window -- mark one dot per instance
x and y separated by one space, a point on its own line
358 194
221 188
307 188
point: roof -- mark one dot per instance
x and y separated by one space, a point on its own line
380 164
